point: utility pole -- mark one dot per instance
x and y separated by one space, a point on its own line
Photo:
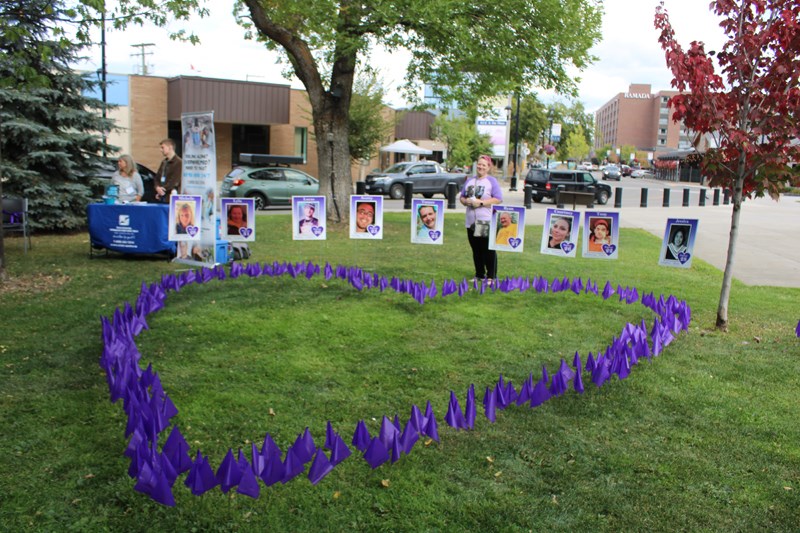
143 53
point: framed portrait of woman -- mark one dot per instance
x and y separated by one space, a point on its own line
239 219
560 233
677 248
184 215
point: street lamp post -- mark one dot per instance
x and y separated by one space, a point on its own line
549 138
516 148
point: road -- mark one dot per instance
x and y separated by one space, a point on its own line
768 246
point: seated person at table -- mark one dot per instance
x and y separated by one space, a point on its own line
127 180
185 218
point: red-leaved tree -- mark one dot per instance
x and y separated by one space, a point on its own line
748 102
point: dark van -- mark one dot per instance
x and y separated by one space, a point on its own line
545 184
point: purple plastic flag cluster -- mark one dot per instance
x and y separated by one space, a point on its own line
156 464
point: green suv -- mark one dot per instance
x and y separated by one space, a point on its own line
268 185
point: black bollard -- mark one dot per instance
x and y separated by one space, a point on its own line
513 183
702 201
643 203
716 197
665 203
618 197
451 193
361 187
559 203
727 198
409 185
528 196
686 197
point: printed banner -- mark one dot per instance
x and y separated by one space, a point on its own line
601 235
560 233
427 221
199 178
308 218
508 228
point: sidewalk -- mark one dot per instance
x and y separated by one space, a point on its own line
767 247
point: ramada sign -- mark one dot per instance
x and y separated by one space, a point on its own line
642 96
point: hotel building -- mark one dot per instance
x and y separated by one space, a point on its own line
641 119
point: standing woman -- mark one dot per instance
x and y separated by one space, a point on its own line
479 193
128 180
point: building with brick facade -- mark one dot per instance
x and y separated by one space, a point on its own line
249 117
641 119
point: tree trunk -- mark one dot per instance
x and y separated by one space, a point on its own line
727 277
333 158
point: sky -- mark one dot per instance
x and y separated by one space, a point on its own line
628 52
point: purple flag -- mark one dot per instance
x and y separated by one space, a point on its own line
489 405
361 436
249 484
376 453
228 473
339 450
320 468
292 465
201 476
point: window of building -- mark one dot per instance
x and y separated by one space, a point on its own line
662 141
663 131
301 142
249 139
175 132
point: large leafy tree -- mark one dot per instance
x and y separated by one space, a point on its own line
464 142
748 101
370 124
476 49
48 128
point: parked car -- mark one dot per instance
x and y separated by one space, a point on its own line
269 185
626 170
642 173
586 165
612 172
428 177
100 179
545 184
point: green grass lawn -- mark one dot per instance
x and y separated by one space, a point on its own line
703 438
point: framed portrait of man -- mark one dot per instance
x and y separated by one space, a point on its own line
427 221
366 217
308 218
601 235
507 228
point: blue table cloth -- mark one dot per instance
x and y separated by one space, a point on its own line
130 228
